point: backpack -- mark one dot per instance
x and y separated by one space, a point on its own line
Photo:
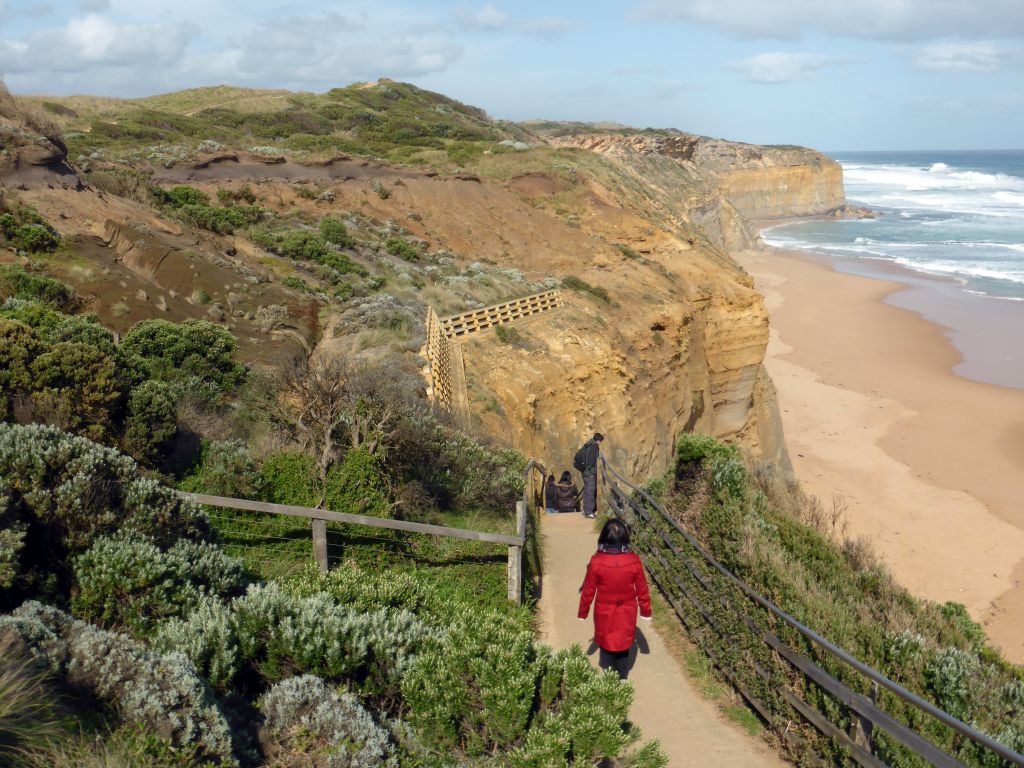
579 461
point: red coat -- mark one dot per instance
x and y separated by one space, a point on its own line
619 583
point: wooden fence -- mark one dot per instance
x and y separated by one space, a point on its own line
320 517
478 320
742 632
439 363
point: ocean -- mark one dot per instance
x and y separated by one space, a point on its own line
958 215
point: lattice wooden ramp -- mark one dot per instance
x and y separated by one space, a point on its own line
439 363
468 323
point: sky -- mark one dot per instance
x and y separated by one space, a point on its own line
834 75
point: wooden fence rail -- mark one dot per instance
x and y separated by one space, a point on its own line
701 590
320 517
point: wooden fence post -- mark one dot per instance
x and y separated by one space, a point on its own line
515 558
320 543
861 727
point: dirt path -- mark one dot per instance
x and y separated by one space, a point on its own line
667 707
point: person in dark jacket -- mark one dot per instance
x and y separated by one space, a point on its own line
591 452
567 495
615 582
551 496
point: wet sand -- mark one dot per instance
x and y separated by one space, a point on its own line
931 464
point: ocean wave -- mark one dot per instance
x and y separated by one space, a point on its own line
1009 197
938 167
961 270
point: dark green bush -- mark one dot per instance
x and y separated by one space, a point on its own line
159 349
582 286
15 282
76 386
24 229
20 345
304 245
336 232
399 246
507 334
358 484
182 196
151 419
289 477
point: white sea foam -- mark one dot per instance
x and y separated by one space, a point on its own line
1009 197
938 167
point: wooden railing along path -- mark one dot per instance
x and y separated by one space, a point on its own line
720 611
320 517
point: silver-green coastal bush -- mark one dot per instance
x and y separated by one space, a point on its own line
485 687
280 634
160 692
80 491
126 581
303 715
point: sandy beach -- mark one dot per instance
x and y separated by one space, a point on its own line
930 464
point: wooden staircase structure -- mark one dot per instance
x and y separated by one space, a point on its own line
445 371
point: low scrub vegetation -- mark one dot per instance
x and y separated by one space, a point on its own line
790 549
576 284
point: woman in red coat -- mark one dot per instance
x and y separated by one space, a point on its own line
616 576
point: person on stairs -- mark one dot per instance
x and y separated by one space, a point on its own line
567 495
586 462
551 496
616 584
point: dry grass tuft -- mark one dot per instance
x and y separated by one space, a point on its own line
27 720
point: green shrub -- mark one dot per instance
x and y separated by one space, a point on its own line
289 477
75 386
161 693
16 283
20 345
126 582
304 245
301 714
34 238
336 232
692 448
179 197
341 263
358 485
582 286
399 246
507 334
71 491
626 251
159 349
228 469
55 326
151 419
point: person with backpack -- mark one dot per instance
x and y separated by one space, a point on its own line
586 462
567 495
616 584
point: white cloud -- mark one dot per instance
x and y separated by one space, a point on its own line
775 68
334 50
546 26
875 19
978 57
486 18
93 40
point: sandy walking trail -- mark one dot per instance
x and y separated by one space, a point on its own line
667 705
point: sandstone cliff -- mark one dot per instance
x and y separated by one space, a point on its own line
672 339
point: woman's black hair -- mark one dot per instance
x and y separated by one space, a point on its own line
566 477
614 534
551 478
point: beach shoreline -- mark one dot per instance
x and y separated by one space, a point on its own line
929 463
